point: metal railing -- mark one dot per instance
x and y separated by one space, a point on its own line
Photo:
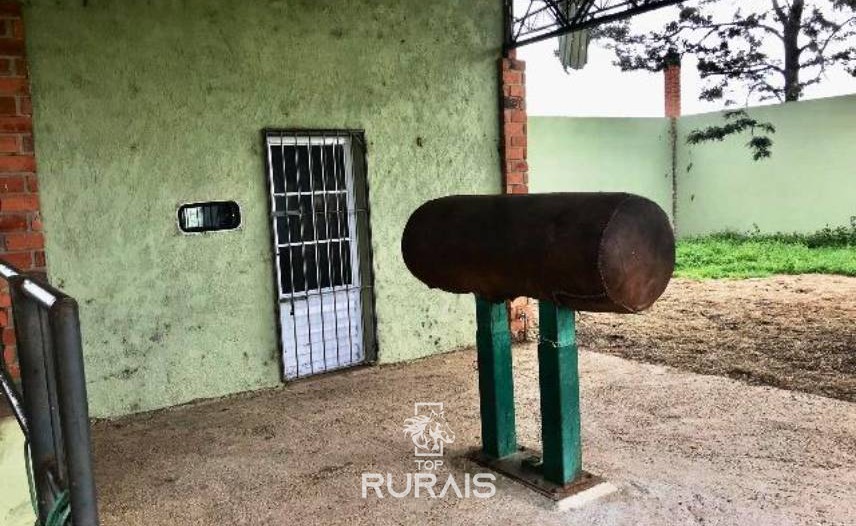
51 406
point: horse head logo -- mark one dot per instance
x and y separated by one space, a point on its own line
429 430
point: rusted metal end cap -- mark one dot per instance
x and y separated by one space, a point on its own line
603 252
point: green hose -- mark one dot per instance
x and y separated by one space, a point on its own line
59 513
61 509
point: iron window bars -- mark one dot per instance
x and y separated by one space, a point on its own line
322 248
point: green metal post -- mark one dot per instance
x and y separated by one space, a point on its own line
560 394
496 386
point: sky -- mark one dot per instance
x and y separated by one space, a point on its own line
602 89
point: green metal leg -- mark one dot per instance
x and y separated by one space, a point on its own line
560 394
496 386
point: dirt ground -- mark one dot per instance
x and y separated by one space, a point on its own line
793 332
683 448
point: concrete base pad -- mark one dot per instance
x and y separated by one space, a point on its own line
577 501
525 468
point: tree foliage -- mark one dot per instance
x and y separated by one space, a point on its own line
763 50
738 121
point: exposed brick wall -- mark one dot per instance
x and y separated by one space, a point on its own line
672 103
672 88
21 239
515 169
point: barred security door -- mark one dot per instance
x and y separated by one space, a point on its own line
319 225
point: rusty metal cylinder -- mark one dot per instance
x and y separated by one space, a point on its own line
601 252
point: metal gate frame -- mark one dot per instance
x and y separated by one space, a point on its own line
365 255
53 408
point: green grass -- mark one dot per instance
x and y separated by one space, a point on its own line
731 255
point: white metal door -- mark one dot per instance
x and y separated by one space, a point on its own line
316 248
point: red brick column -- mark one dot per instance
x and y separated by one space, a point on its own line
672 103
21 239
515 169
672 86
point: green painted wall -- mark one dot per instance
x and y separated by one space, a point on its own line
15 506
809 183
142 105
601 154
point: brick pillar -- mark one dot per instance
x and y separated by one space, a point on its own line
672 103
515 170
672 85
21 240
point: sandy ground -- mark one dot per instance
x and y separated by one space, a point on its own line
794 332
684 449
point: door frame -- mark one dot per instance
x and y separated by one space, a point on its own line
364 250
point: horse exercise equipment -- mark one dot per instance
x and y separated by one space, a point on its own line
605 252
601 252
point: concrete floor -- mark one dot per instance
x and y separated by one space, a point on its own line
684 449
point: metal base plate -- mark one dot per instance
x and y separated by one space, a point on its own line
525 467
